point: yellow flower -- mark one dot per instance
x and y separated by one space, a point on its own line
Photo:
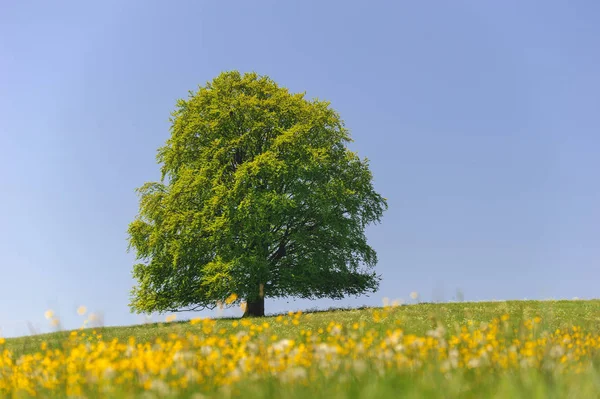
48 314
231 299
2 341
81 310
170 318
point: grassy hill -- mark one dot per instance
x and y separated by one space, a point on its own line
486 349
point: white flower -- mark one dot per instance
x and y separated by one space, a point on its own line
399 348
326 349
206 350
281 345
557 351
241 334
453 354
337 330
397 302
437 333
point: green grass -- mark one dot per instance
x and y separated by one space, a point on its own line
414 319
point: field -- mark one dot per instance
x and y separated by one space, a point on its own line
520 349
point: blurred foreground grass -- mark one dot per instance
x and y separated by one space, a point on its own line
514 349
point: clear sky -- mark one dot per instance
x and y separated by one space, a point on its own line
481 121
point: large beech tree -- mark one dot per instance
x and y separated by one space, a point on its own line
259 197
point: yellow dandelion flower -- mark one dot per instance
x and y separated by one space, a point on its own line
81 310
48 314
170 318
231 299
2 341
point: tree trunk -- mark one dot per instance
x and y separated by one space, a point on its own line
255 308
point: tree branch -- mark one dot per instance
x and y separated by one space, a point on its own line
192 309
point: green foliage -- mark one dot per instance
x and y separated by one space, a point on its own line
258 190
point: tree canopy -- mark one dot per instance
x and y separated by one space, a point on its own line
259 197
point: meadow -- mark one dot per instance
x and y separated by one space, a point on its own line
515 349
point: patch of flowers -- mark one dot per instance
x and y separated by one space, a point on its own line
210 357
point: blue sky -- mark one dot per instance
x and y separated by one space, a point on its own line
480 119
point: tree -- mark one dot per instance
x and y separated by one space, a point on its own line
259 197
